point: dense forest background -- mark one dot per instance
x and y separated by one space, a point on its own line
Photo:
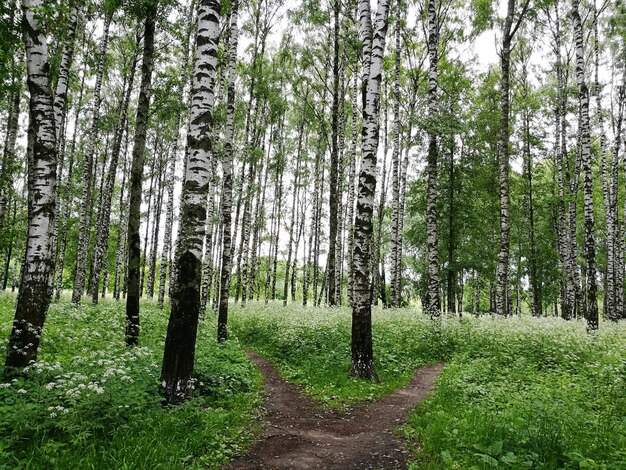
296 133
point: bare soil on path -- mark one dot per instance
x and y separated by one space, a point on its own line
300 434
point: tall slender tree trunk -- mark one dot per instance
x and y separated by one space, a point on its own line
9 156
373 40
619 243
166 254
84 231
33 298
562 183
334 198
380 216
317 218
395 168
502 271
591 313
452 269
122 226
533 270
154 243
227 176
60 114
136 174
66 198
279 210
294 203
609 292
104 215
352 180
178 357
433 302
341 189
207 269
299 236
150 206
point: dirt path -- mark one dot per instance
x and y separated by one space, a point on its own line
300 435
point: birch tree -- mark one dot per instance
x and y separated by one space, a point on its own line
33 297
433 302
395 164
584 135
104 214
373 39
511 26
136 176
178 357
84 232
227 175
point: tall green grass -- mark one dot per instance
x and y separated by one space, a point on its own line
91 403
516 393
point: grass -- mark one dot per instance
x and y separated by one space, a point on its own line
516 393
91 403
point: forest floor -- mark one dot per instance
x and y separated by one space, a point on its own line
516 393
299 434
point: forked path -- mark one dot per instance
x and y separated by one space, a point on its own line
300 435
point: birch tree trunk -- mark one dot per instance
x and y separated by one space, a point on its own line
227 175
609 293
294 203
619 244
178 357
279 210
9 156
60 114
66 198
146 237
452 268
502 271
104 215
341 190
84 231
433 302
395 167
33 297
591 313
373 39
166 254
154 243
317 218
136 174
333 204
561 162
122 227
380 216
535 283
352 181
207 268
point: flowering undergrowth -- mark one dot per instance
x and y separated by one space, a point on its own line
89 402
516 393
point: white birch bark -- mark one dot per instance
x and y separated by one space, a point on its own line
373 40
178 358
84 231
433 302
227 175
38 263
591 313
